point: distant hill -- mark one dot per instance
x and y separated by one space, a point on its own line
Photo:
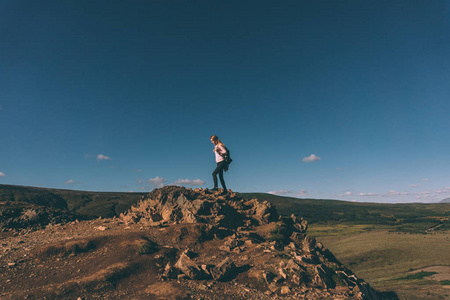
410 217
90 204
447 200
406 217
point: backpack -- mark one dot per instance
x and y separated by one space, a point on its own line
227 159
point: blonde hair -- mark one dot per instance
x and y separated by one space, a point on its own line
216 140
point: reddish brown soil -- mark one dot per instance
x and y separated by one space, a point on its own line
99 260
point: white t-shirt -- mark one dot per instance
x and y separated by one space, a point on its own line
222 150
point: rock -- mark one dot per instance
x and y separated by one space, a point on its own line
297 238
177 204
273 288
189 253
207 269
101 228
323 277
233 242
223 270
296 279
189 267
268 276
285 290
282 273
291 264
170 271
309 243
366 292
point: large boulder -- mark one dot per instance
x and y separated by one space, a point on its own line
186 265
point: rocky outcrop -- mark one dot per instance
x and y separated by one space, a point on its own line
175 204
20 215
253 243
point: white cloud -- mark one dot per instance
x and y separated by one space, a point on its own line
280 192
426 179
311 158
396 193
414 185
103 157
424 193
346 194
70 181
367 194
302 193
157 182
2 174
189 182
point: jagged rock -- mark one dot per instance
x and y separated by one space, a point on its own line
264 212
232 242
309 243
223 270
323 277
180 205
273 288
296 279
207 269
297 238
300 226
285 290
292 265
282 273
366 292
268 276
189 253
170 271
189 267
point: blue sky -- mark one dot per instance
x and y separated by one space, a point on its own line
316 99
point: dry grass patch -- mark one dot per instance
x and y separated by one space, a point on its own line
382 257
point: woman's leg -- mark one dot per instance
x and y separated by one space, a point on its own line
221 180
214 175
219 170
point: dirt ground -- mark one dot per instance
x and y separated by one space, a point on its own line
101 259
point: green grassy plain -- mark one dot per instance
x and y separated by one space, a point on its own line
387 260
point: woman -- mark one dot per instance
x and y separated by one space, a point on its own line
221 152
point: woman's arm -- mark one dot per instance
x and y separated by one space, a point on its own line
221 149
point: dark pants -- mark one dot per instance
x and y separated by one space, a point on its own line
219 170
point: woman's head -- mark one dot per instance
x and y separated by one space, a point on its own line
215 140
